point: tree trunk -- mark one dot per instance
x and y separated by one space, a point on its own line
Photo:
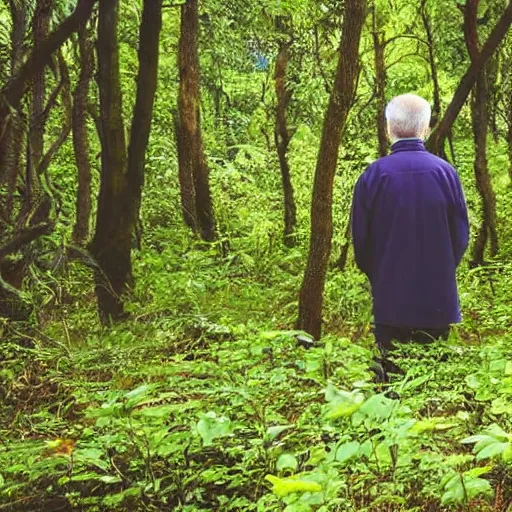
436 110
282 139
41 26
438 137
80 137
147 79
112 239
67 103
36 61
193 170
480 122
379 47
340 101
15 130
122 177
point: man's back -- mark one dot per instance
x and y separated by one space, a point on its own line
410 231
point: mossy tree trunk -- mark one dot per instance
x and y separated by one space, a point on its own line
122 172
15 130
480 122
196 198
340 101
111 244
40 28
80 137
147 79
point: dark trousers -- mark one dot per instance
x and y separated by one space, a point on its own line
386 336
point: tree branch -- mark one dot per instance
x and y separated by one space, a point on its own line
24 237
405 36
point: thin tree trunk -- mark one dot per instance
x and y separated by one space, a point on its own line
340 101
37 60
65 130
282 139
80 137
15 130
193 170
379 47
112 239
436 110
147 79
41 26
438 137
480 121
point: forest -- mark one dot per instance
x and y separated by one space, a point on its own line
182 323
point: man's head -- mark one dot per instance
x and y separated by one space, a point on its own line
408 116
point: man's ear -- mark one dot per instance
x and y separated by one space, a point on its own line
388 132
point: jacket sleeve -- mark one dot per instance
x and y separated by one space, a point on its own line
459 224
360 220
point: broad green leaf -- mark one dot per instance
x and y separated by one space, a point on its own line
211 427
286 461
476 472
491 450
346 451
378 407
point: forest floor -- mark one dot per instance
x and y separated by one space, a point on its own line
190 412
205 400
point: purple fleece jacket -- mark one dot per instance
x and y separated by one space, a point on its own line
410 230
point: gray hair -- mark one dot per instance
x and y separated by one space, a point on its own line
407 116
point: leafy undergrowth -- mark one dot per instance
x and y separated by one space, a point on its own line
187 412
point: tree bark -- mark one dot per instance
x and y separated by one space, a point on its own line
112 239
147 79
436 140
379 46
66 99
480 122
193 170
37 60
80 137
40 28
282 138
15 129
427 26
122 176
340 101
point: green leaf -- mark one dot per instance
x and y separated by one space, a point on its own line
273 432
283 486
162 411
491 450
287 461
378 407
211 427
347 451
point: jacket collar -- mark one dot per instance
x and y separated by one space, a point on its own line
408 145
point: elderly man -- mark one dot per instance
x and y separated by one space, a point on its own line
410 230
